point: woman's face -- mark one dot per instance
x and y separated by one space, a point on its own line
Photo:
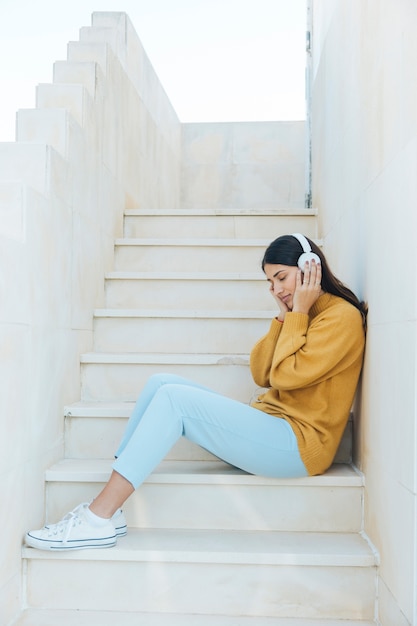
282 280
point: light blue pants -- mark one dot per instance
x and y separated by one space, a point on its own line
170 407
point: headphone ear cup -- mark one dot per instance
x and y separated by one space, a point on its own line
307 256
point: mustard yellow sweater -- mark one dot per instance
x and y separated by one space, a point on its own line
311 366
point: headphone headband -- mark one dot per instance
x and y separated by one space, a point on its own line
303 241
307 254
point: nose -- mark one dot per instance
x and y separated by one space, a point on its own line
277 288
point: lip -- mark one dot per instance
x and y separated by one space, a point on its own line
286 298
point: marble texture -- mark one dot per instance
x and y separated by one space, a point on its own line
310 575
64 185
248 165
208 494
104 138
242 223
364 145
102 618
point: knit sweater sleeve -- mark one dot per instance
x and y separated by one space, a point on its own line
307 350
262 355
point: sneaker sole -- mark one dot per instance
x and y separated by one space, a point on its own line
121 531
44 544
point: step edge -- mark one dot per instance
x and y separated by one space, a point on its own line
266 212
183 313
347 549
99 409
82 617
173 242
235 276
196 242
133 358
200 472
116 409
230 558
92 616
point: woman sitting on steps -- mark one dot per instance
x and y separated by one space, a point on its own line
309 362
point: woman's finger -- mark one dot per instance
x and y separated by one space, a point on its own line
306 272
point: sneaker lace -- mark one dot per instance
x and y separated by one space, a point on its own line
67 523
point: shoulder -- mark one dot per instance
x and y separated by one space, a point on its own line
335 308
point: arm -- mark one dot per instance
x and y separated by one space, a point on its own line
309 352
307 290
262 354
302 352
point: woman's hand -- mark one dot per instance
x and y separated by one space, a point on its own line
283 309
307 288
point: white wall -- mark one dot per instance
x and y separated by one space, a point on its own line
103 136
364 142
241 165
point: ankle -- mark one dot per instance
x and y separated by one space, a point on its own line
99 512
102 510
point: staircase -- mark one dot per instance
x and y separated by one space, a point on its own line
207 543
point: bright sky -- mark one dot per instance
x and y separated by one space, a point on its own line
218 60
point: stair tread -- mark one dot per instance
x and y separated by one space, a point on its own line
99 409
184 313
191 241
229 546
208 472
233 212
160 358
132 275
41 617
104 409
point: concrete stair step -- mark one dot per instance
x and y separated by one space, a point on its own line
93 431
52 126
76 73
72 97
204 572
105 33
227 223
41 617
89 52
174 331
215 495
35 164
181 255
189 290
120 376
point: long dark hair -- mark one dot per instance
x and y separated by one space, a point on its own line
286 250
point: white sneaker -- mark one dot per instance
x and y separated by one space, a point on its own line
119 522
74 532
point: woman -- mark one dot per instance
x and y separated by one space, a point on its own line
309 362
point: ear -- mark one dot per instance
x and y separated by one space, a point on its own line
307 256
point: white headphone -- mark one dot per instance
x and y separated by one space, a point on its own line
307 254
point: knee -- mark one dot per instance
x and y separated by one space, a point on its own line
160 379
168 401
156 381
167 390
